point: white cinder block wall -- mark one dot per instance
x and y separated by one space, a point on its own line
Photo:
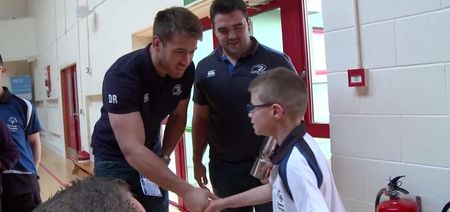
401 124
93 42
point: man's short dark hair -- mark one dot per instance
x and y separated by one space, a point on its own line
226 7
92 194
176 20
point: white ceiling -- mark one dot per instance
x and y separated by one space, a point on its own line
10 9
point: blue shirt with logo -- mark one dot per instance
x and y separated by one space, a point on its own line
223 87
132 85
20 117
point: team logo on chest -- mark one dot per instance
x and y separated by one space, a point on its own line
12 125
176 90
258 69
146 97
12 120
211 73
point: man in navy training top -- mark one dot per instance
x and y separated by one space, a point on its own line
21 190
139 90
220 96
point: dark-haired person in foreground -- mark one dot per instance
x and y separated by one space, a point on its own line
93 194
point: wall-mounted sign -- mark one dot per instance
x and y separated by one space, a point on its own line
21 86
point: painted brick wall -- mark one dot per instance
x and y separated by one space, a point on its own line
400 125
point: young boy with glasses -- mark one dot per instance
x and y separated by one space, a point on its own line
301 179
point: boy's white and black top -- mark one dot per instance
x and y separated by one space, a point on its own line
301 178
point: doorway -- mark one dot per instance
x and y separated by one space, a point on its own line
70 111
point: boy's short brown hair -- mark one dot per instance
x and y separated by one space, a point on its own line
282 86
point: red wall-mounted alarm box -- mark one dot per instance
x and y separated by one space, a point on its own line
357 77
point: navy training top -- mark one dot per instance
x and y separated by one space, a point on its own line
132 84
223 87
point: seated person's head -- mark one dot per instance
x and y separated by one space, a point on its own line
280 94
93 194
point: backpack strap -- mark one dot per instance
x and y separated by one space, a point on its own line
306 151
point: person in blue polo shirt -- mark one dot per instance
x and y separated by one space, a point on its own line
139 90
220 95
21 190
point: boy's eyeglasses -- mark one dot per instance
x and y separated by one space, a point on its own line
251 108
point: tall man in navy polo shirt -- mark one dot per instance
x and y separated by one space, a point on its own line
220 117
21 190
139 90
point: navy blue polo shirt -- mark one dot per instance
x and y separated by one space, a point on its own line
223 87
20 117
132 84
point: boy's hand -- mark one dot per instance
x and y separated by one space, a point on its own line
215 205
197 199
212 196
268 168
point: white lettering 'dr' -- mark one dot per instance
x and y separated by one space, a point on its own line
112 99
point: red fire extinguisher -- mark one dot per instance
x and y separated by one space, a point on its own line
446 207
395 203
